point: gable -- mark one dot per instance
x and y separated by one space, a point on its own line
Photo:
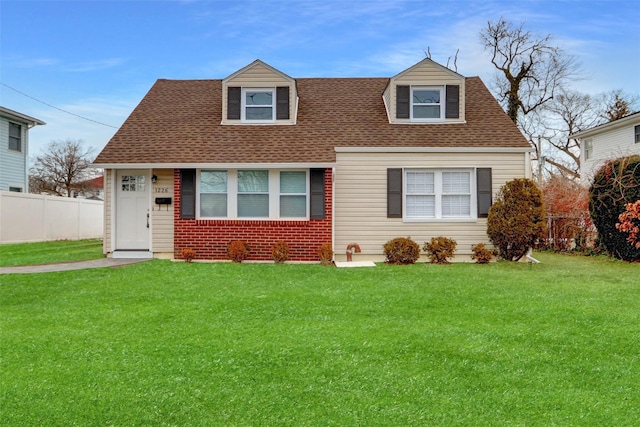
426 77
261 79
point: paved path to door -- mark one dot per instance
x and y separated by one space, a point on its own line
68 266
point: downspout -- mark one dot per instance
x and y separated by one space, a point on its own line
333 212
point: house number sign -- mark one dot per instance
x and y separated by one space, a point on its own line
161 189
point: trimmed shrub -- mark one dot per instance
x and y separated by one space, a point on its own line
630 223
325 252
188 254
280 252
482 254
614 185
238 251
401 250
517 220
440 249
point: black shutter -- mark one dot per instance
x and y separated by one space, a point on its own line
483 188
402 102
233 103
282 103
394 193
187 193
317 193
453 102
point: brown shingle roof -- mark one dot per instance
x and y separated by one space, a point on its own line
178 121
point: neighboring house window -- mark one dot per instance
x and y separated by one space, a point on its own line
426 103
15 189
439 194
15 137
588 149
637 133
258 194
258 105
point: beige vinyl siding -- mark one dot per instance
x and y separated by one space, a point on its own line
426 74
260 76
361 199
162 216
108 210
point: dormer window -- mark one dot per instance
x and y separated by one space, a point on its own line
258 105
426 103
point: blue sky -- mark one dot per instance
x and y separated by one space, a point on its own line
97 59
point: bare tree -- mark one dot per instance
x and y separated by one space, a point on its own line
617 104
530 69
63 165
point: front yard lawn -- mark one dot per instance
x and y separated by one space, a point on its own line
164 343
50 252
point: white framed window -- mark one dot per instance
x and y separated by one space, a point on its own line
214 193
636 131
439 194
15 137
253 194
258 105
427 103
588 148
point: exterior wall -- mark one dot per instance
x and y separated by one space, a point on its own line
260 76
361 200
209 238
108 210
611 144
38 218
13 164
425 74
162 215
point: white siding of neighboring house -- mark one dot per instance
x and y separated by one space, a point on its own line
610 144
361 199
13 164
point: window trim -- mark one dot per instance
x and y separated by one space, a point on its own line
473 199
636 131
441 104
244 106
588 148
274 195
13 138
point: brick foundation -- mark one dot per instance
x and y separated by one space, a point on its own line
209 238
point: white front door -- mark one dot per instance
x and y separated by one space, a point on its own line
132 210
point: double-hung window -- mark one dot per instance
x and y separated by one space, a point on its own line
213 193
426 103
588 148
439 194
15 137
636 130
293 194
253 193
258 105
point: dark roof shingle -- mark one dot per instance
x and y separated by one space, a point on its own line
178 121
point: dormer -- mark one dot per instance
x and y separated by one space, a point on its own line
426 93
259 94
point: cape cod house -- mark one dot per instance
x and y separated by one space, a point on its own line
260 156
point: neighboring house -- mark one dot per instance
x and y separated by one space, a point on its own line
92 189
14 149
619 138
261 157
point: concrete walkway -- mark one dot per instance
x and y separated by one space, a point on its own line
67 266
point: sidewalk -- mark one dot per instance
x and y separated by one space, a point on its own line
67 266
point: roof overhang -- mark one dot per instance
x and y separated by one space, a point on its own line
434 149
14 115
212 165
631 119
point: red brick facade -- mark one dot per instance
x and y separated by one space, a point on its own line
209 238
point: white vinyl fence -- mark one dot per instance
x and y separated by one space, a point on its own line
38 218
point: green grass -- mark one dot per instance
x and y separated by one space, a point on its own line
49 252
163 343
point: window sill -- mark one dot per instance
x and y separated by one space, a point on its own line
439 220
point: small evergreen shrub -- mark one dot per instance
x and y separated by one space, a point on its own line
401 250
482 254
188 254
616 184
238 251
517 220
440 249
280 252
325 252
